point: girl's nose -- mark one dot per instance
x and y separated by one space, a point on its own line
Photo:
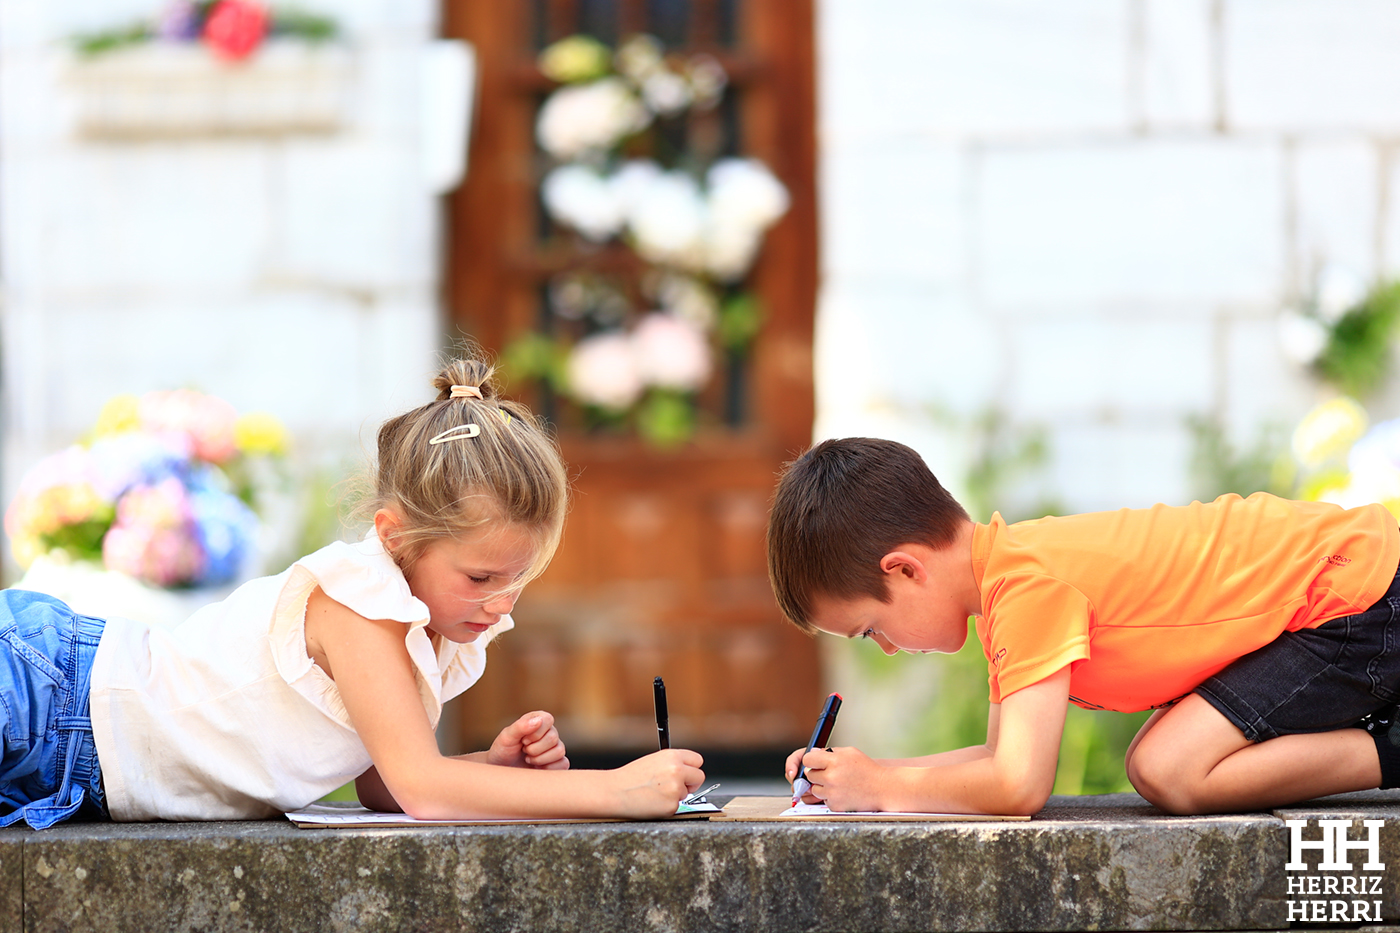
502 604
885 645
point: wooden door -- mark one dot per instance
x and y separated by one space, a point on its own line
662 567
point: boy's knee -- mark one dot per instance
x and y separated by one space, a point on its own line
1158 779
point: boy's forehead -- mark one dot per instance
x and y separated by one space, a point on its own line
835 615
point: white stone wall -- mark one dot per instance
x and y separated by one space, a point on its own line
293 273
1088 213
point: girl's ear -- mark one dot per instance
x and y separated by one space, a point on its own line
387 525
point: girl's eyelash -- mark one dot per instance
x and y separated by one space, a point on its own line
486 579
867 633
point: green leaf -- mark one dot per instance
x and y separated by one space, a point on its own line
666 418
740 320
1357 356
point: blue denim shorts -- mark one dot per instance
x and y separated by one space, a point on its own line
49 771
1314 679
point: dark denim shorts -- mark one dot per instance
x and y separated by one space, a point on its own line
49 769
1314 679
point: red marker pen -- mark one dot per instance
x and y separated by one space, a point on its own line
800 784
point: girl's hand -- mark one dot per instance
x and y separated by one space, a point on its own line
529 742
652 786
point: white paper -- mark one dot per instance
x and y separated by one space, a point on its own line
322 815
821 809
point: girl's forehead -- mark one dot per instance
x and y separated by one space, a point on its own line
502 541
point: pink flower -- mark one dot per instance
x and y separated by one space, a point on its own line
671 353
235 28
208 421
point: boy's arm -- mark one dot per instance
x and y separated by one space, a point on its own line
970 753
1015 778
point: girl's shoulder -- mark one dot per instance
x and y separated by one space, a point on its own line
362 577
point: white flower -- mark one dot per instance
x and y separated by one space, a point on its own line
592 117
579 197
707 80
745 200
1338 291
1328 431
668 220
666 92
730 251
1301 338
603 371
687 298
671 353
630 183
640 56
743 193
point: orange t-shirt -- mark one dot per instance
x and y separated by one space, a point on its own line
1144 604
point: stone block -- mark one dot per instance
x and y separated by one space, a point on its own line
963 69
1121 224
354 215
1175 65
1263 391
1115 366
1338 198
1366 805
1102 465
11 882
321 363
156 216
909 347
1311 64
1111 864
389 90
894 212
1390 222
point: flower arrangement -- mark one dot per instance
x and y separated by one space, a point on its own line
162 491
641 350
233 29
1342 330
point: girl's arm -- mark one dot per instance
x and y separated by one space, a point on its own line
374 675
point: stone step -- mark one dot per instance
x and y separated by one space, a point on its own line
1108 862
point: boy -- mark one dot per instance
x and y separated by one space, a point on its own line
1261 631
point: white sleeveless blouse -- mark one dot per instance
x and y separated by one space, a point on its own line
226 717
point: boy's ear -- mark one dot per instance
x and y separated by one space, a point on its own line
905 564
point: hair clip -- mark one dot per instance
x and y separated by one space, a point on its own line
466 392
458 433
505 415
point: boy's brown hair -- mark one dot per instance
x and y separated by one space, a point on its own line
839 509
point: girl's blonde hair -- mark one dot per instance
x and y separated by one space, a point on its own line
511 471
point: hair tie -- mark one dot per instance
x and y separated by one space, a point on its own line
466 392
460 432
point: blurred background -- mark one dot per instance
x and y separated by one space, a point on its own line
1095 254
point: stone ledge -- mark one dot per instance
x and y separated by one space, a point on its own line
1110 862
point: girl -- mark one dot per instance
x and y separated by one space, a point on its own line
336 668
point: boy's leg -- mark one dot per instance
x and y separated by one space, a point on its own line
1191 759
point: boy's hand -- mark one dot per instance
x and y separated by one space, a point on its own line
529 742
844 778
793 761
653 785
